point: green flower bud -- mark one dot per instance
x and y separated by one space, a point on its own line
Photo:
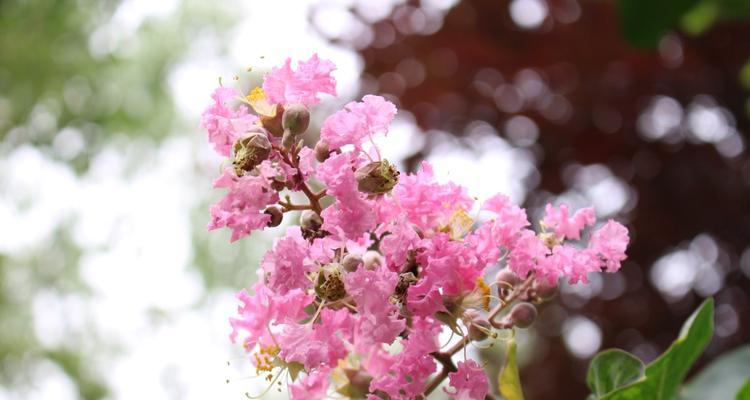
377 177
321 151
296 119
288 139
249 151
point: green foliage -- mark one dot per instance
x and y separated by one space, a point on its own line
722 379
509 381
744 393
612 369
644 22
664 376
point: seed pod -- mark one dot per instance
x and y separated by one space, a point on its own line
351 262
249 151
377 177
330 285
321 151
276 215
309 219
296 119
522 315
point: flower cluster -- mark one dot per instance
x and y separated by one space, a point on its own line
354 297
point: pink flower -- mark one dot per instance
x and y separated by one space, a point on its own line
223 124
562 225
286 86
241 208
378 320
408 374
357 122
287 264
263 309
400 238
469 382
313 386
352 214
525 253
450 265
427 204
317 345
610 242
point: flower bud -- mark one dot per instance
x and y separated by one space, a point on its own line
309 219
377 177
296 119
273 123
507 278
249 151
372 260
288 140
522 315
276 215
479 326
321 151
351 262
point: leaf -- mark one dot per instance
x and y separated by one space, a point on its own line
664 375
744 393
613 369
722 378
509 380
644 22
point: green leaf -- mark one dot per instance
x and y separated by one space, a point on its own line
722 378
509 380
644 22
613 369
664 375
744 393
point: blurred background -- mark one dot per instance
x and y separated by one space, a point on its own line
110 286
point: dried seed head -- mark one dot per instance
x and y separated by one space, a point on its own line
250 150
377 177
330 283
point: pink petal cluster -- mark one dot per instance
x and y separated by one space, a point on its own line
363 288
357 122
223 124
241 209
283 85
469 382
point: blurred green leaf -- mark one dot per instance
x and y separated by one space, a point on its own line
722 378
701 17
644 22
744 393
613 369
665 375
509 380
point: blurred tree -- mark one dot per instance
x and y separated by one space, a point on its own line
74 76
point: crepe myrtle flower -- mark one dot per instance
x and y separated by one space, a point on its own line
353 297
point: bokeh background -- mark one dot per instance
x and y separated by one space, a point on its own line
110 287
